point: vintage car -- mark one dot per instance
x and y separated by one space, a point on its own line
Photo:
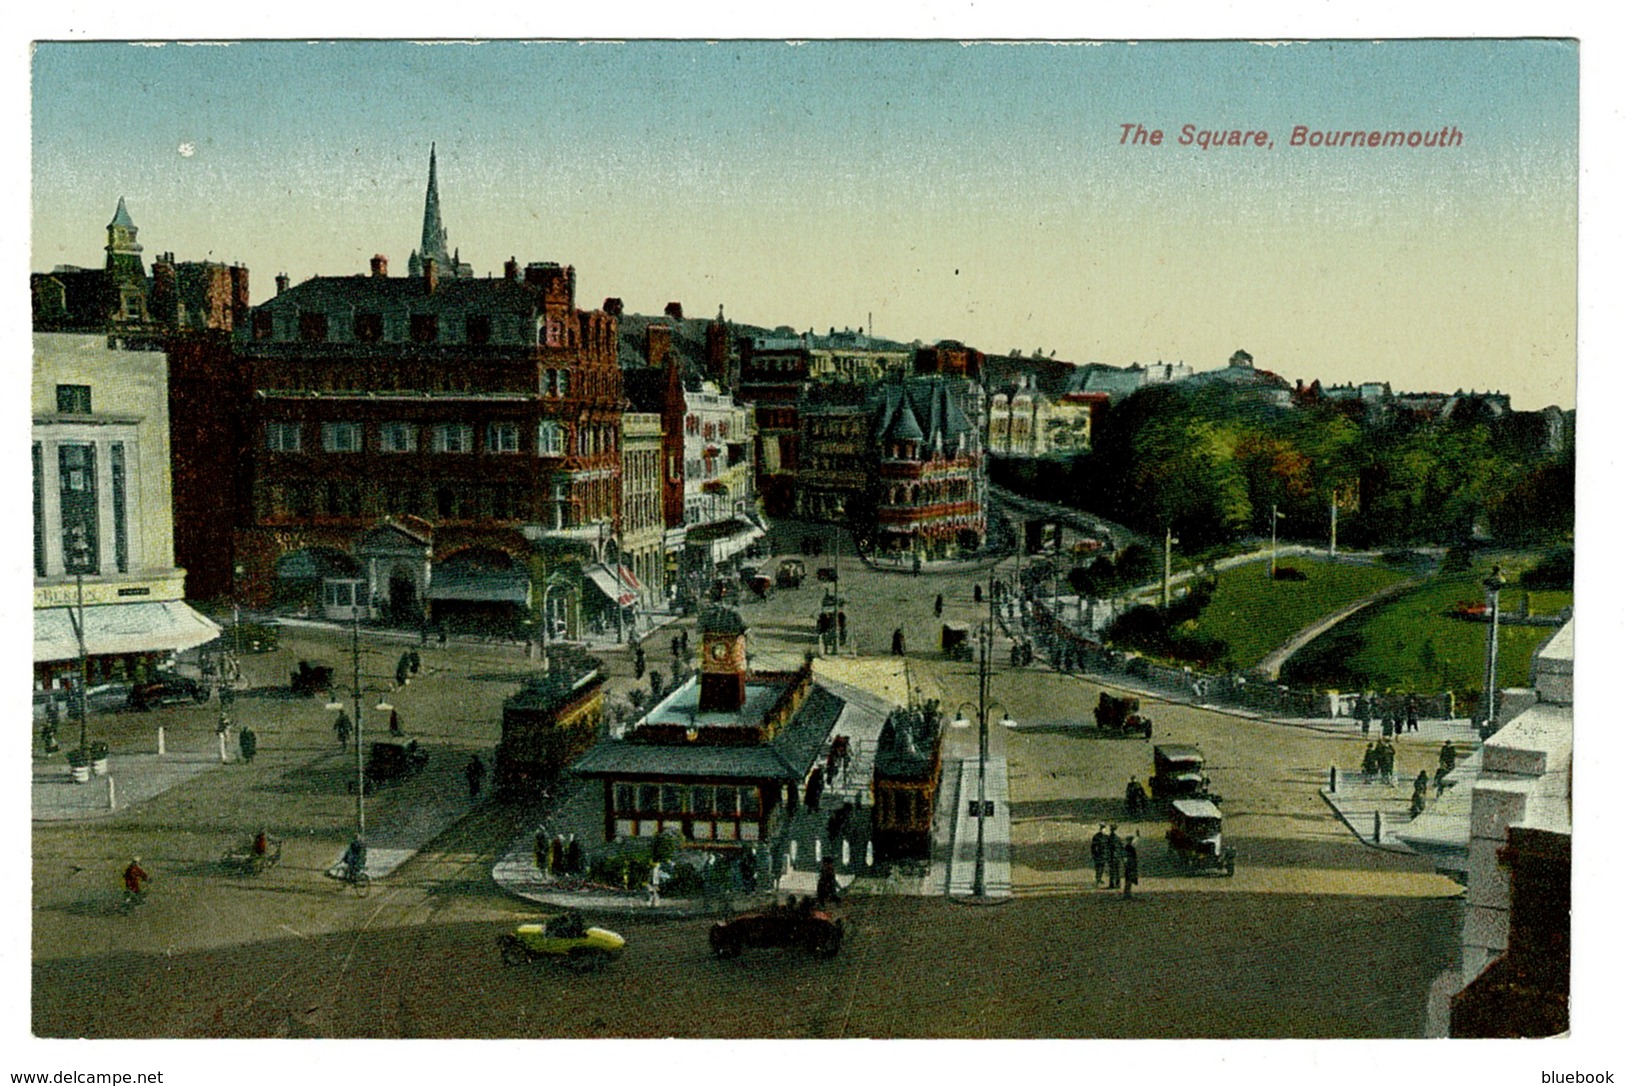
802 926
310 680
1176 773
761 586
792 571
1114 714
956 642
390 762
566 938
166 689
1196 837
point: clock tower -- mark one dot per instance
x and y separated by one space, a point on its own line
722 661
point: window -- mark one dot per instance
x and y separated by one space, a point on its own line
73 399
453 437
282 436
76 466
398 437
263 325
502 437
425 328
39 511
478 330
549 439
121 530
369 327
313 327
344 499
341 437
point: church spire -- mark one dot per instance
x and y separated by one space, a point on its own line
433 244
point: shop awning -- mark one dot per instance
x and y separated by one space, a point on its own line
724 539
479 585
604 578
115 629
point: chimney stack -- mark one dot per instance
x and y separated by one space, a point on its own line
510 269
380 266
674 310
281 282
614 307
431 274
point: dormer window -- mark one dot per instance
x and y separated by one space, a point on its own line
313 327
369 327
477 330
425 328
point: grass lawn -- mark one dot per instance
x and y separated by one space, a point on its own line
1412 643
1255 614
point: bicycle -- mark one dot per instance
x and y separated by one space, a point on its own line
358 880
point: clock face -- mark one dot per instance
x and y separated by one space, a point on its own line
719 651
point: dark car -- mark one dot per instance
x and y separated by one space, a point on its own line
167 690
807 928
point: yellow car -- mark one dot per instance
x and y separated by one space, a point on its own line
566 938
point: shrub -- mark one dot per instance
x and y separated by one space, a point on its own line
1290 573
684 881
1457 560
1556 570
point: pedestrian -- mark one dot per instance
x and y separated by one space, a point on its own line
897 646
840 626
414 661
916 563
403 667
395 724
657 876
1420 785
1387 764
476 776
1134 796
543 851
638 662
1447 758
47 734
248 743
1419 802
838 821
815 788
976 593
939 604
828 889
1368 763
1131 867
747 870
555 855
573 861
1114 859
341 728
1097 853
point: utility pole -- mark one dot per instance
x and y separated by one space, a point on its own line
1492 596
1334 522
355 692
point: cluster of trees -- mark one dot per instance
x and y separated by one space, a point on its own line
1210 462
1172 634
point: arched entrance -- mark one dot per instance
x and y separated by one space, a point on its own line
481 591
403 608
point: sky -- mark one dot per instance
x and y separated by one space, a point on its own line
920 189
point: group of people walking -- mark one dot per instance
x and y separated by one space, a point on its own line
1116 859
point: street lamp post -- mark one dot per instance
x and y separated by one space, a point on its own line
983 676
1168 542
1275 516
1492 597
355 691
81 558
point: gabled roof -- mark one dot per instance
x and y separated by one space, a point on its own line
327 293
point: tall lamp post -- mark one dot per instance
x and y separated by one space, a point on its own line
355 701
983 675
80 548
1275 516
1492 646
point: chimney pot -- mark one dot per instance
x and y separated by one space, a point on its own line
380 266
510 269
281 282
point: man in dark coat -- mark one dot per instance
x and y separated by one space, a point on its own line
341 728
1131 867
1097 853
828 889
248 743
939 604
1114 859
897 642
815 788
1447 758
476 776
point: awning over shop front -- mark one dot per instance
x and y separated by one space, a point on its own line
461 582
604 579
726 538
116 629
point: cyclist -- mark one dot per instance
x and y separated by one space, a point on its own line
134 878
355 859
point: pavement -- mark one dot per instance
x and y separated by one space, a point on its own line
791 865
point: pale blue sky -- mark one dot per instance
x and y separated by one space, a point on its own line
976 192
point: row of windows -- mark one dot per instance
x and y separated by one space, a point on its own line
447 437
496 501
703 800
